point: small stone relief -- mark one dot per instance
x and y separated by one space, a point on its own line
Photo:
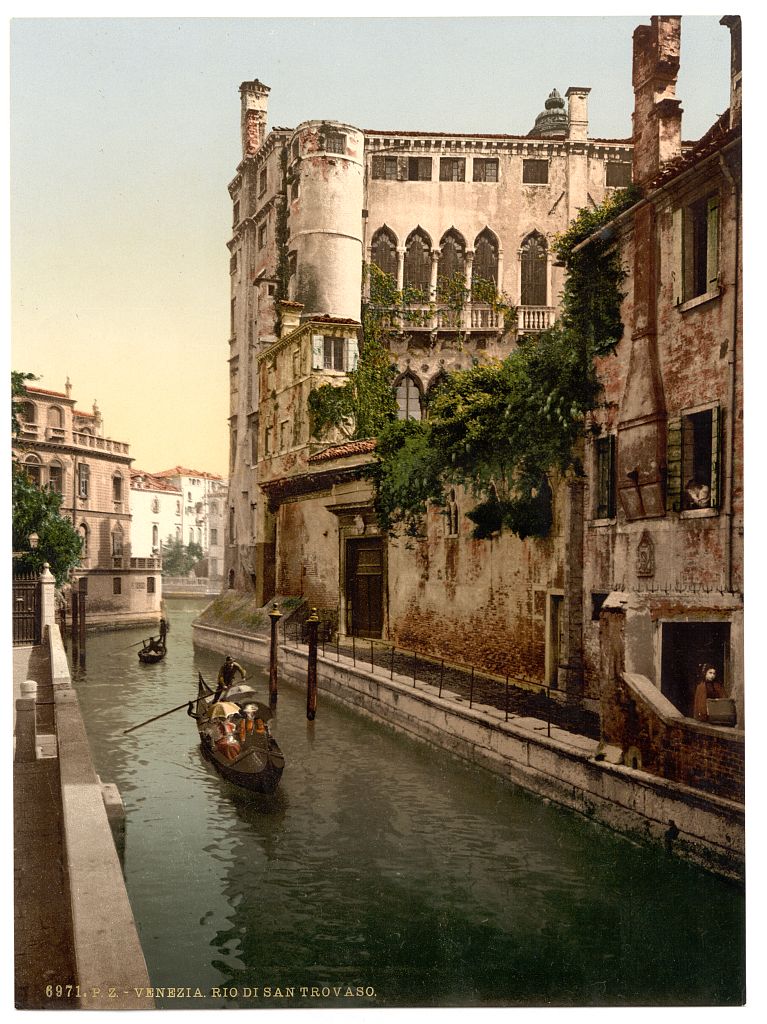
645 564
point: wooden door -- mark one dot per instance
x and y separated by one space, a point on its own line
364 587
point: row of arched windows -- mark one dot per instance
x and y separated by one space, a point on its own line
51 475
417 260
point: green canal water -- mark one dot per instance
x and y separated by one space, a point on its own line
382 873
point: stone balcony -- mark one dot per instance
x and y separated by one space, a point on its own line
475 316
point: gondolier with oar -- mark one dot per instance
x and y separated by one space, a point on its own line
226 676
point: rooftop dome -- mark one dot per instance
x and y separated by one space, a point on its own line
551 123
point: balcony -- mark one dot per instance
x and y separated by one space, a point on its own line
534 318
101 444
154 562
475 316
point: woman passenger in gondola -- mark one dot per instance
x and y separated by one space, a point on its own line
249 723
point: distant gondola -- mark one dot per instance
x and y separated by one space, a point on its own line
153 650
252 761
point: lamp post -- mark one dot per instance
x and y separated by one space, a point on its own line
311 677
275 615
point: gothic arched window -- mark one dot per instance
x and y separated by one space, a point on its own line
452 254
408 398
486 257
534 270
418 261
383 251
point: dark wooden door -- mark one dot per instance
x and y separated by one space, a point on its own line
364 587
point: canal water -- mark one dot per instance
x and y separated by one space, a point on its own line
382 873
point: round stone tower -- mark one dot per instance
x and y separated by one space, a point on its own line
325 196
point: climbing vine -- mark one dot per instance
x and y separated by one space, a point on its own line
504 430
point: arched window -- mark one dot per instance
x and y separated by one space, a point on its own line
534 270
155 537
418 261
452 254
28 412
191 535
56 477
82 529
486 257
55 417
408 398
214 508
437 382
117 540
383 251
33 469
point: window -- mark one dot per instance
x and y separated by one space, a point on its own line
408 398
232 524
297 425
178 508
486 257
253 448
34 470
617 175
155 537
232 316
418 261
214 508
214 536
697 236
385 168
191 535
262 236
83 480
693 476
452 168
155 505
335 142
419 168
55 418
334 353
296 363
452 252
262 182
233 263
28 412
150 585
383 251
534 271
117 540
605 478
268 441
117 585
284 436
117 488
236 213
82 529
535 172
485 170
56 478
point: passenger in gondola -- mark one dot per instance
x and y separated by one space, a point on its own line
249 723
227 743
226 676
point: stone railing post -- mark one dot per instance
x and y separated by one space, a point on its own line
47 597
26 727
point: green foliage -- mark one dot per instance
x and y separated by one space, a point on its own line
178 559
37 511
18 390
407 474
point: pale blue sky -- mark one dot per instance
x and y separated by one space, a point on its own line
125 133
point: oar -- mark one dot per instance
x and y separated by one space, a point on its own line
131 645
184 705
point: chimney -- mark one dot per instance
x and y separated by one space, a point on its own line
657 114
732 22
577 113
290 316
254 102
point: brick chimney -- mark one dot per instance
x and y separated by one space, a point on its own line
254 102
657 114
732 22
290 316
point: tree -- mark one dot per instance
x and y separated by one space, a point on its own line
38 511
178 559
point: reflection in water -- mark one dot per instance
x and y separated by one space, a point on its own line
381 863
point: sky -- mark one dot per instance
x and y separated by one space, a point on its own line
125 133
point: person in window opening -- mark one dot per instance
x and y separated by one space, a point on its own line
698 494
709 688
226 676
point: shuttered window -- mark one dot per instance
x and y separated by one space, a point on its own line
452 169
535 172
385 168
485 170
693 461
534 271
696 245
617 174
605 478
419 168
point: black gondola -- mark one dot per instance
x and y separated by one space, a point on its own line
252 761
152 651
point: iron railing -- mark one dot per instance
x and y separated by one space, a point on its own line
26 610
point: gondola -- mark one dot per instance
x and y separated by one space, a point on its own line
255 762
152 651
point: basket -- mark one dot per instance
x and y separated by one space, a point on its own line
721 711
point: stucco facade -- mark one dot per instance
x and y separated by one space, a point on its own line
156 506
65 448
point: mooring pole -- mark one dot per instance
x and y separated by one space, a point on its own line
81 602
275 615
311 668
75 625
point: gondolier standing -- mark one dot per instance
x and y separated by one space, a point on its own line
226 676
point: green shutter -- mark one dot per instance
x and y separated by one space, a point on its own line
712 243
716 447
674 465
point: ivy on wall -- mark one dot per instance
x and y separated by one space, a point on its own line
503 430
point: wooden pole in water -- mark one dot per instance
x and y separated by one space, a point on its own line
275 615
311 673
81 602
75 624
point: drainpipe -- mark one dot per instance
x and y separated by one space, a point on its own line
731 368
